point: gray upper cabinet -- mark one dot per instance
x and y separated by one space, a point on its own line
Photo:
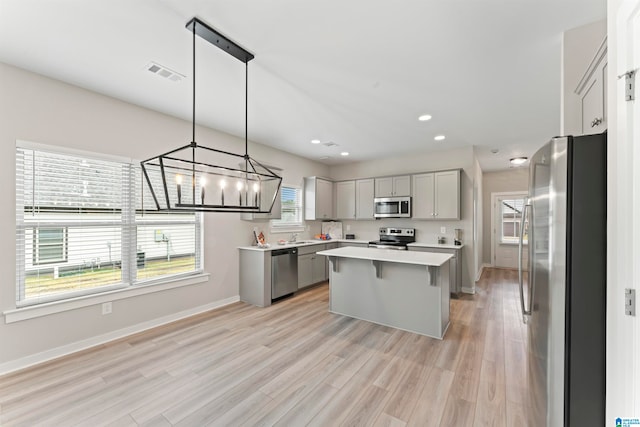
345 199
354 199
436 195
393 186
592 90
364 198
318 198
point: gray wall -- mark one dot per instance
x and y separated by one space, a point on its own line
516 179
42 110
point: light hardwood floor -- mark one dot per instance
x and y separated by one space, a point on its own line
291 364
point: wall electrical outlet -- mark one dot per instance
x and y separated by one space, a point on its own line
443 230
348 227
107 308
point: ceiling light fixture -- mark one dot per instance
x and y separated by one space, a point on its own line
424 117
344 153
315 141
176 180
439 138
517 161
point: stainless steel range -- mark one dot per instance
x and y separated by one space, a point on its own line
394 238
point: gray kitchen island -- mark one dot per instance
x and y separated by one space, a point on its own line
402 289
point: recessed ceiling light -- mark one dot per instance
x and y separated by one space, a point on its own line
344 153
439 137
315 141
517 161
424 117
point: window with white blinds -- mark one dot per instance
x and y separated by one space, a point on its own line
291 209
511 217
80 229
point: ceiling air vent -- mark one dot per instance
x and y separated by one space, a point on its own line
330 144
165 72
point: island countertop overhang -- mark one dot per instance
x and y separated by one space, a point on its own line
389 255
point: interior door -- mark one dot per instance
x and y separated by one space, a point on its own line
623 212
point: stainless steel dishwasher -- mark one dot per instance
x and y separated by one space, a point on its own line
284 272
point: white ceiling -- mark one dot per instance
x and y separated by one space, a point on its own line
356 72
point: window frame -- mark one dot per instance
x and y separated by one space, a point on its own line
130 220
281 226
511 240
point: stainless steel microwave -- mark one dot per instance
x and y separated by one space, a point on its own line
392 207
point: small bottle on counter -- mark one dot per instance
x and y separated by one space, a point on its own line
442 240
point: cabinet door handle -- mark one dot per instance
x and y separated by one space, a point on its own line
595 122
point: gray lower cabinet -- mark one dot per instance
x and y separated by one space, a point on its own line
312 268
255 277
305 270
455 265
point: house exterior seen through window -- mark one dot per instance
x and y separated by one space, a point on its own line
511 214
50 245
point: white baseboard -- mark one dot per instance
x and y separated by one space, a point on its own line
482 267
466 290
65 350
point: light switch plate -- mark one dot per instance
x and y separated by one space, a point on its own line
630 302
443 230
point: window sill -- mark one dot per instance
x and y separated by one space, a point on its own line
512 243
292 229
46 309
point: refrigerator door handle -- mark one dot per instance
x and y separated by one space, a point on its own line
520 249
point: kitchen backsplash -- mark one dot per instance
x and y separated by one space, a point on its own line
426 231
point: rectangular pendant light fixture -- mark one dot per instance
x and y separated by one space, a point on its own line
195 178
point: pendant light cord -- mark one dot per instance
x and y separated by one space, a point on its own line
193 121
246 108
246 116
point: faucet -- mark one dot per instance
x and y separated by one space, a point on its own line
294 236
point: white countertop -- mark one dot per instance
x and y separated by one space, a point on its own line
434 245
389 255
276 246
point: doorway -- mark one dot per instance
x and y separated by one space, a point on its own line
506 217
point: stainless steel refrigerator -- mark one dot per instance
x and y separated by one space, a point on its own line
563 293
